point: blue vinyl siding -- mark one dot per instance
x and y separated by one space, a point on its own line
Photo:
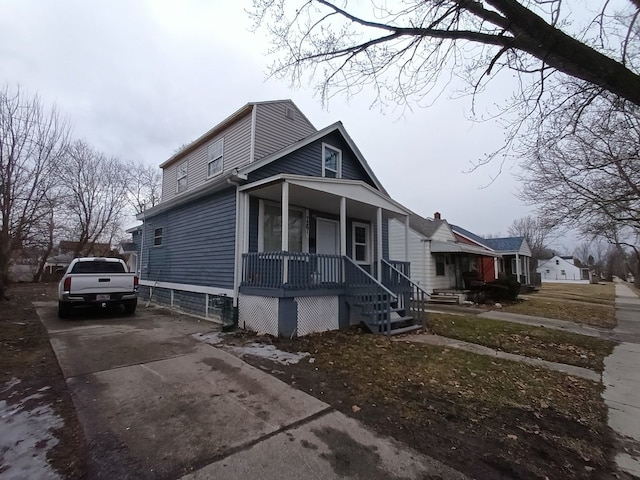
308 161
198 243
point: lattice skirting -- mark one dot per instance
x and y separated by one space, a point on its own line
258 314
317 314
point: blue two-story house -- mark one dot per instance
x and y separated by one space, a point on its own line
286 222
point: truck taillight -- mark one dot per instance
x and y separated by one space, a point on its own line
135 281
67 284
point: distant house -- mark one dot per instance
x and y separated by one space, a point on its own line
514 251
128 251
440 260
64 253
562 269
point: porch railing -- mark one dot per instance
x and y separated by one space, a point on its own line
370 296
411 298
292 270
402 267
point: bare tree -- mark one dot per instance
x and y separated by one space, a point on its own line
144 186
33 140
403 48
536 231
96 195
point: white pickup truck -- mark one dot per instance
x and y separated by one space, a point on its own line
97 281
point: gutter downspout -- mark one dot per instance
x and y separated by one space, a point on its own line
234 180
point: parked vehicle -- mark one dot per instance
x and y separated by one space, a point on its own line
97 281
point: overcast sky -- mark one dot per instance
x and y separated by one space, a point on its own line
137 79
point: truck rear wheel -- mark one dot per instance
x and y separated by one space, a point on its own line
130 306
64 310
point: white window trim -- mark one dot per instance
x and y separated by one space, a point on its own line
305 220
367 245
210 160
339 163
185 176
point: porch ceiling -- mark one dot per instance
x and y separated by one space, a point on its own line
324 195
450 247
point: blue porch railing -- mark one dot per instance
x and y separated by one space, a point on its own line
411 298
370 296
292 270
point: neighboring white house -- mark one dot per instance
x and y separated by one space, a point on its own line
562 269
438 260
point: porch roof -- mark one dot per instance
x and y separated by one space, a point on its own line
450 247
323 194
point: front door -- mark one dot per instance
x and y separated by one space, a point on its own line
327 236
328 243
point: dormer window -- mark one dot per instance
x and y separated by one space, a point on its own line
181 178
215 163
331 162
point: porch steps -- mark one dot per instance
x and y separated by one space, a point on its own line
398 322
449 298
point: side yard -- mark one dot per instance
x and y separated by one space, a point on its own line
34 398
591 304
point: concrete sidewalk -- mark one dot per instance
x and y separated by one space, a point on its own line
621 378
623 333
482 350
157 403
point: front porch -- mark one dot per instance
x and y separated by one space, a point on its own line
292 293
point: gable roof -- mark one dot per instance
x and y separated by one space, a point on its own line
505 244
335 127
219 127
425 226
470 235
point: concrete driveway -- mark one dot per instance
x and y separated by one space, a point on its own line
157 403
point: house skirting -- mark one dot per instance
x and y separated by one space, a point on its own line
204 305
293 315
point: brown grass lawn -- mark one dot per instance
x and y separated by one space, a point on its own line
588 304
491 418
527 340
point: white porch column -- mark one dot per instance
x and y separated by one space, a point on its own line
285 231
285 217
379 242
518 270
495 267
406 238
343 226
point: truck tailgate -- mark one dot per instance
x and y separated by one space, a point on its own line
102 283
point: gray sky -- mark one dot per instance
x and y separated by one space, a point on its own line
137 79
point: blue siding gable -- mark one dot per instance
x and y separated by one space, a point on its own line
198 243
307 160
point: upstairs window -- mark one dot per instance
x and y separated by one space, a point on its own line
157 237
214 155
331 162
182 178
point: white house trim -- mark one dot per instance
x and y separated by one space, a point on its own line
188 288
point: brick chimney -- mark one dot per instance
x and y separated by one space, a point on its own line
436 216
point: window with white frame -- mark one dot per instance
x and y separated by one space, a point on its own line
270 239
331 162
181 177
214 158
361 243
